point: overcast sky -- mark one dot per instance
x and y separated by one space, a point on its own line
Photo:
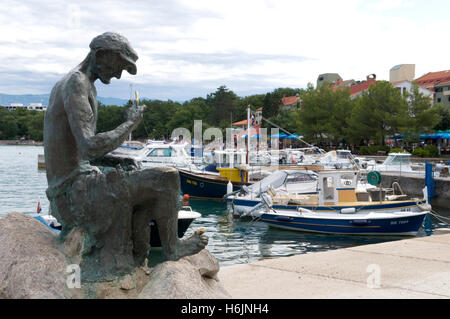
188 48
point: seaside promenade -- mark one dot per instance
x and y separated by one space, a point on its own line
416 267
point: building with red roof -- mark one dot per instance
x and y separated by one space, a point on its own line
356 88
439 83
290 102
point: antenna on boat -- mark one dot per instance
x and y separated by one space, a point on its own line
136 94
248 132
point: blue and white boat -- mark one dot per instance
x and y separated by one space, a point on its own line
358 223
337 192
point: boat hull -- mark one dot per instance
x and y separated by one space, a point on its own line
205 186
242 206
367 224
155 241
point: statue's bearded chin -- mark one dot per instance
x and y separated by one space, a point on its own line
105 80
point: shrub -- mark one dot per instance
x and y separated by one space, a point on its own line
419 152
397 150
372 150
431 151
427 151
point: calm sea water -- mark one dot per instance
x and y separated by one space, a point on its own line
22 186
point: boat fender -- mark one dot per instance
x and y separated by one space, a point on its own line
424 207
229 187
350 210
304 210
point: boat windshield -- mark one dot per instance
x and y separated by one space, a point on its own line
344 154
396 159
160 152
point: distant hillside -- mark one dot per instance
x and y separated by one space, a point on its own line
25 99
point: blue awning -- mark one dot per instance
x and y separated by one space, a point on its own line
433 136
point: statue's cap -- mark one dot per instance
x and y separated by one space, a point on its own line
116 42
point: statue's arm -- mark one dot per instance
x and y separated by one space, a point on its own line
82 123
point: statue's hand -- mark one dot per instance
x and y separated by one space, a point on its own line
134 114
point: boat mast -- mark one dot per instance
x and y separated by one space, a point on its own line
248 133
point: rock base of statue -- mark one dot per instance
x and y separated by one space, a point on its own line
35 264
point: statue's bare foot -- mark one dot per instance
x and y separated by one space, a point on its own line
190 245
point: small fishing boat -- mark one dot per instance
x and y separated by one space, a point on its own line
185 217
338 191
358 223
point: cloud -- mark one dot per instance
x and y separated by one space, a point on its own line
190 47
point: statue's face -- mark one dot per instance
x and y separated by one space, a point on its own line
108 65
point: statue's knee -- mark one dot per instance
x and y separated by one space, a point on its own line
172 177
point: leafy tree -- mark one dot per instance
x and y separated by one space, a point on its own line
109 117
35 126
8 125
186 114
422 116
156 117
444 117
222 102
379 112
324 114
271 105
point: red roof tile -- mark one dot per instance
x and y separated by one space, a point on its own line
289 100
358 88
432 78
243 122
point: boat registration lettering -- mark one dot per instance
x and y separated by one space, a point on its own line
191 182
399 222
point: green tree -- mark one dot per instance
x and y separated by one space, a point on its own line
35 126
379 112
271 105
423 117
324 114
444 117
8 125
109 117
186 114
222 102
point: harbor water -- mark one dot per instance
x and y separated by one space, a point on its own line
23 185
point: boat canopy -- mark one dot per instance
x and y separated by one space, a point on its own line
280 177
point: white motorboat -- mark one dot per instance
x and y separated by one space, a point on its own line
395 162
157 153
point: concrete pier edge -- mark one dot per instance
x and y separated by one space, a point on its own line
417 267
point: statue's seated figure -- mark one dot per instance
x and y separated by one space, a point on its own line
110 210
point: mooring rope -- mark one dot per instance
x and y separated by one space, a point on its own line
437 216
